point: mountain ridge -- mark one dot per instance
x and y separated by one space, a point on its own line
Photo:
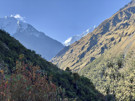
104 37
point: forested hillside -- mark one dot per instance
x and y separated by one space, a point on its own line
28 72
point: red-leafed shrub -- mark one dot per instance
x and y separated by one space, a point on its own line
26 83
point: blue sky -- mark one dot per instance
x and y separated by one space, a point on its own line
61 19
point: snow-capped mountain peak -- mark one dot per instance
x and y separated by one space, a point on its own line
75 38
12 24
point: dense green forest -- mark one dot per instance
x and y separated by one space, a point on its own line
16 62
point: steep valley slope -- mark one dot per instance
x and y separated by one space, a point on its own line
117 30
111 41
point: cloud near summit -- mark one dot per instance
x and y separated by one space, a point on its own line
18 16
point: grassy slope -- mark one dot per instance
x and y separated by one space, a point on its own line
108 34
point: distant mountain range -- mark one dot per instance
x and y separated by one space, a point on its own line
30 37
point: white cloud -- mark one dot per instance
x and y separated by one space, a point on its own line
18 16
